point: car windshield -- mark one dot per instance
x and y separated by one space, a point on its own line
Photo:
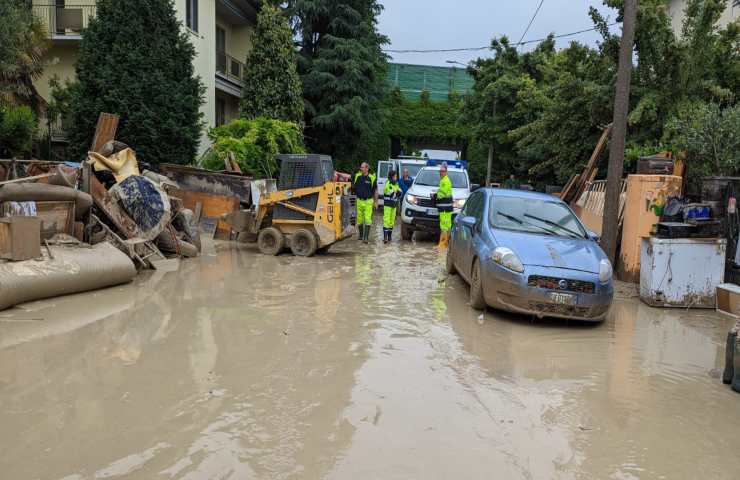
413 168
430 178
534 215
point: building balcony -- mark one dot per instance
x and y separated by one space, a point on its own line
229 74
65 22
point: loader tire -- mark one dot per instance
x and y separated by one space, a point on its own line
303 243
270 241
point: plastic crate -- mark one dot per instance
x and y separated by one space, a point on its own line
302 171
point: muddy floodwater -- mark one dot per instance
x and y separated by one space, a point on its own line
366 365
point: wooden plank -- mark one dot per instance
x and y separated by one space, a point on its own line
105 131
565 194
212 207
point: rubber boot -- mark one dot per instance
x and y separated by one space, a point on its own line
443 240
366 237
360 232
736 373
729 372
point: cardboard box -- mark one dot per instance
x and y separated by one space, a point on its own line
20 238
728 299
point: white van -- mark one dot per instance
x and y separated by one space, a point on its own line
413 164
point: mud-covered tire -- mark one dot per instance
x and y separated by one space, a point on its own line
476 287
270 241
303 243
449 263
406 232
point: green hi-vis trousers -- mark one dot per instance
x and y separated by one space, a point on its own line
445 221
364 211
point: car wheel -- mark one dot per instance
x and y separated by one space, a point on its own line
476 288
449 263
270 241
303 243
406 232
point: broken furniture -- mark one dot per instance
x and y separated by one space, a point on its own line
20 238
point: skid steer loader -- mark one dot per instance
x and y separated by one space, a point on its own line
307 213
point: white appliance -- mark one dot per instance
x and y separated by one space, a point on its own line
681 272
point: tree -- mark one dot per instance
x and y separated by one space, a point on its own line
272 87
17 130
254 144
619 132
136 61
22 46
710 136
343 70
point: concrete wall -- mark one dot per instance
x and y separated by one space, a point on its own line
676 10
62 59
204 41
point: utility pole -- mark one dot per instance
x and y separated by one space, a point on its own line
619 132
490 148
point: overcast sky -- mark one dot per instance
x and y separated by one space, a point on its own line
440 24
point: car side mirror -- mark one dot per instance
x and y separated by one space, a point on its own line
469 222
474 187
593 235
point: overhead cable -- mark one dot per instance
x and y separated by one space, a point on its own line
488 47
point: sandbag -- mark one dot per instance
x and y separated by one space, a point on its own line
146 203
167 241
41 192
71 270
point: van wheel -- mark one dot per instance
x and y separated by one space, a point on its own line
270 241
406 232
303 243
476 288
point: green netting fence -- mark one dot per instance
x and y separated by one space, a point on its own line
438 81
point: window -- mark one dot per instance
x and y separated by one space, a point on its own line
191 14
220 50
220 111
383 169
474 206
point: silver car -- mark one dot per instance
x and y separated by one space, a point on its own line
528 253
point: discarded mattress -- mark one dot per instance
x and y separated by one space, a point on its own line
41 192
146 203
71 270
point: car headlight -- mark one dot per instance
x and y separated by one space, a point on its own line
459 203
605 271
412 199
507 258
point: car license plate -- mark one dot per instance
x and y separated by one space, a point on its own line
431 211
562 298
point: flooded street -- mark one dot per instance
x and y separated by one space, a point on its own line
348 366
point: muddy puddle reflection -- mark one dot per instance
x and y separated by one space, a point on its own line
353 366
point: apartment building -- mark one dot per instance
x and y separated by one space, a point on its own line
676 10
220 31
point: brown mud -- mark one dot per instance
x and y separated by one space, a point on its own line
350 366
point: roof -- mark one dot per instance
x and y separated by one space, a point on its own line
438 81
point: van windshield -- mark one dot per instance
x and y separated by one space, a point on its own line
413 169
430 178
